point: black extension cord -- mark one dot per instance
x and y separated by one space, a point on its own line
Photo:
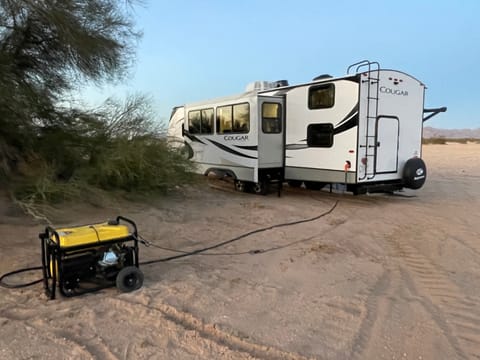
17 286
223 243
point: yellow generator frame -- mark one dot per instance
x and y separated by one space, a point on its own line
88 258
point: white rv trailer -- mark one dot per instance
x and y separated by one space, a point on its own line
363 130
240 136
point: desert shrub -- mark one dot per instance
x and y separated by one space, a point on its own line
440 141
142 164
118 146
444 141
130 151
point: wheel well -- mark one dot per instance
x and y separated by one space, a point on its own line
221 172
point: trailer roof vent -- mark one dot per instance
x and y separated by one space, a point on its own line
279 83
322 77
265 85
258 86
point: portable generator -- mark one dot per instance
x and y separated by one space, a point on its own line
88 258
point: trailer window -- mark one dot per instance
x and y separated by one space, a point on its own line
233 118
194 122
271 118
200 121
241 118
207 121
321 96
320 135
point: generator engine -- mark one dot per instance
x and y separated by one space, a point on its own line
91 257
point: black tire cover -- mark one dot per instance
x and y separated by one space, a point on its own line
414 173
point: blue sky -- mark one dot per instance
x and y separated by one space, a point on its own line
196 50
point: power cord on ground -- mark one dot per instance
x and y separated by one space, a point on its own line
18 286
223 243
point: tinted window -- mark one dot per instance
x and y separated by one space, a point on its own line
224 119
200 121
320 135
241 118
271 118
207 121
233 118
321 96
194 122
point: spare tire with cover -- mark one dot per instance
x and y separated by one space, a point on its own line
414 173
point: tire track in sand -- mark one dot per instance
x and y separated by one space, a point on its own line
339 325
457 315
378 308
61 341
95 346
202 329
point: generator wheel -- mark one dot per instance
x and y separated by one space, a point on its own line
130 278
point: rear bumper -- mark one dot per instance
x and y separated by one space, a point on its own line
379 187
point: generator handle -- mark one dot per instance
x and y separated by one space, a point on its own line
51 231
131 222
50 250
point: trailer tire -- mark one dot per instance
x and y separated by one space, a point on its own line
414 173
128 279
260 188
295 183
359 190
314 185
186 151
240 186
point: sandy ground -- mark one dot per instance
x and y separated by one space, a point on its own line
381 277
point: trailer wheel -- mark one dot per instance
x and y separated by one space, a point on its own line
314 185
295 183
359 190
414 173
186 151
129 279
240 186
260 188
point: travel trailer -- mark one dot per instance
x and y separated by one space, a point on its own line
362 130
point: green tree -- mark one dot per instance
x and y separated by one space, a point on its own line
50 152
47 48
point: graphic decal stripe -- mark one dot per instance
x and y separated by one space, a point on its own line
194 138
351 123
231 151
253 147
353 112
347 123
296 146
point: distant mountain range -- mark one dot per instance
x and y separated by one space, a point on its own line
430 132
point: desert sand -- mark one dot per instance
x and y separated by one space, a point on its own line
380 277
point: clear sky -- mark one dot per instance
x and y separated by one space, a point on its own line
194 50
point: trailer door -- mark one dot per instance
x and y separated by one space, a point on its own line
271 128
387 145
